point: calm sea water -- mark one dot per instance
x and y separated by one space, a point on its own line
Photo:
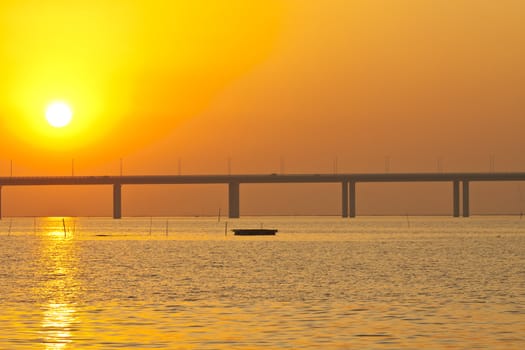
321 283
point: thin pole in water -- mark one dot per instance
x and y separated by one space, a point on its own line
64 224
10 225
150 224
408 221
226 228
219 216
167 225
521 201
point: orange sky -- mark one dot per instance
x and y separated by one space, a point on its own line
269 85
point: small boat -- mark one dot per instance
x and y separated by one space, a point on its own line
254 232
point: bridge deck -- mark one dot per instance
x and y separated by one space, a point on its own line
257 178
348 182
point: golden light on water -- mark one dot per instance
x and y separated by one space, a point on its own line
144 291
56 324
60 287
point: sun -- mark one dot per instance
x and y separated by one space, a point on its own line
58 114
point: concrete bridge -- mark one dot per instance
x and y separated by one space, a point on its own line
459 182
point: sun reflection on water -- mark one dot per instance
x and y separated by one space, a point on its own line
56 325
59 287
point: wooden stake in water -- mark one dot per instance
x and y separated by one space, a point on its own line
64 225
226 228
219 216
150 224
167 229
10 225
408 221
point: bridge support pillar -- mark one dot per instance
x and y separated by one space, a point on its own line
352 199
466 209
117 201
344 199
233 200
455 199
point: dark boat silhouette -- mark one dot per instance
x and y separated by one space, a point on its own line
254 232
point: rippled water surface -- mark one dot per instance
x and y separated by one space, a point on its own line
320 283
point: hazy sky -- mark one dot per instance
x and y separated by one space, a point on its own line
264 86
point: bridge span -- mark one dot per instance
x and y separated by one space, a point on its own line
459 181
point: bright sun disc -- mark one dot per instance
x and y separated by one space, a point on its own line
58 114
